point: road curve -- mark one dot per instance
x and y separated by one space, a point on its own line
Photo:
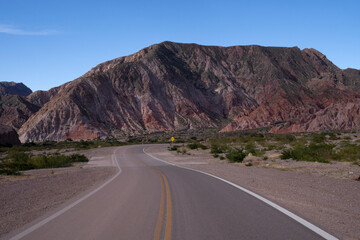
150 199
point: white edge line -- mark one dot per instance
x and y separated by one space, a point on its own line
300 220
48 219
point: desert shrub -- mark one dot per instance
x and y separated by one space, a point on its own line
196 145
20 161
222 157
78 158
321 152
332 136
215 155
17 161
248 164
265 158
285 138
271 146
349 152
173 148
216 149
236 155
250 148
318 137
287 154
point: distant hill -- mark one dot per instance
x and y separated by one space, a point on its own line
18 103
173 86
14 89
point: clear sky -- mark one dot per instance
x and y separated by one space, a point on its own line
47 43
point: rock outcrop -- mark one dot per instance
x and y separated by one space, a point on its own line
8 136
172 86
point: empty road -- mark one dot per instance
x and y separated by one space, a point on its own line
150 199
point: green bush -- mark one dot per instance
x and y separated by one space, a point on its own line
248 164
173 148
321 152
285 138
78 158
236 155
349 152
216 149
250 148
20 161
196 145
332 136
318 137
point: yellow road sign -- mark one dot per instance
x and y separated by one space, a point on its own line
172 139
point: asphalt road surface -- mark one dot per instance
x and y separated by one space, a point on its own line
150 199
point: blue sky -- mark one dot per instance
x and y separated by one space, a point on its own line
47 43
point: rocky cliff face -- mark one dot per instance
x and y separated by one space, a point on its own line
173 86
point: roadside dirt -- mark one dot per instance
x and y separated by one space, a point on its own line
28 196
328 200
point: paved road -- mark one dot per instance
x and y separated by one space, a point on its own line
150 199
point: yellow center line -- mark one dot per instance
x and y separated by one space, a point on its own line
159 223
168 227
168 223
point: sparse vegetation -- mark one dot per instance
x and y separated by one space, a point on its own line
236 155
196 145
216 149
315 147
20 161
248 164
173 148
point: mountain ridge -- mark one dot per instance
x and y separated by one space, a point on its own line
172 86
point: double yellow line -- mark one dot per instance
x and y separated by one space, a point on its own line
162 215
168 224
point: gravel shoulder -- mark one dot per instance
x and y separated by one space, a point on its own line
29 196
329 202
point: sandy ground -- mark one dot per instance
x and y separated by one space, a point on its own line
29 196
326 199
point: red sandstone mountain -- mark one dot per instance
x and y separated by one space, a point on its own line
172 86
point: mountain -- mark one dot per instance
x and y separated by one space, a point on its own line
15 110
172 86
18 103
14 89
